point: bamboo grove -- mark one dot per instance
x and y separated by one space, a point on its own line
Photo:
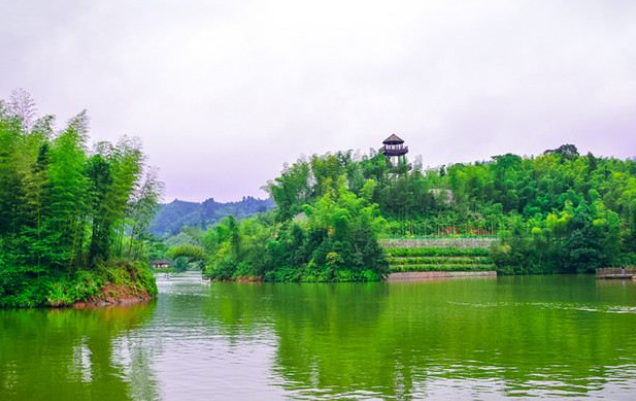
70 218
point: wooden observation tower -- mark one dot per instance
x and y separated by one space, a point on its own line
395 151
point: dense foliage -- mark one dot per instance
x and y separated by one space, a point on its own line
67 214
333 239
557 212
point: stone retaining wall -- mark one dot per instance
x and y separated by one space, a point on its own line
420 276
461 243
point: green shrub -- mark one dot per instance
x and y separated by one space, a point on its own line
285 275
224 270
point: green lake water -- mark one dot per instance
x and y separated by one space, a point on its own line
490 339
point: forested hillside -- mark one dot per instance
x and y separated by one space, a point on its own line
559 211
556 212
173 216
72 219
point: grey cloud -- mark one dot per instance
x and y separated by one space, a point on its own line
223 93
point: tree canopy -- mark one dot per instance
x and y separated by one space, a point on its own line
65 209
557 212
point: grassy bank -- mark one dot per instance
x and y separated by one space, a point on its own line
121 282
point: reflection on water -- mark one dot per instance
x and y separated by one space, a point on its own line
74 355
512 337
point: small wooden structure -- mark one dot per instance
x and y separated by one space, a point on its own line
395 150
160 264
616 272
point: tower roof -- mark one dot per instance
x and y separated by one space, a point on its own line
392 140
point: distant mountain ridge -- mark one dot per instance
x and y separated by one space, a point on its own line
177 214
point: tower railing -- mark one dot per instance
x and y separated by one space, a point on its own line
395 152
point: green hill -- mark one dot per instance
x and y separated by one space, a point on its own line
172 217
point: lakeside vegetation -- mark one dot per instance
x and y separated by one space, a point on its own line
560 212
72 220
333 239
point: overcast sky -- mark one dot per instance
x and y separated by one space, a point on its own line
222 93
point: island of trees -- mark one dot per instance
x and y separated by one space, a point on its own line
560 212
73 221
